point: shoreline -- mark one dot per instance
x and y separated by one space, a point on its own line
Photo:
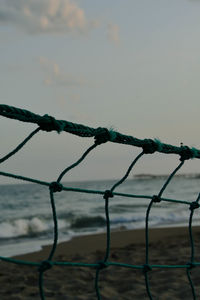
119 239
167 246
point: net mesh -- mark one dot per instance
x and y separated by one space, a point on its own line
103 135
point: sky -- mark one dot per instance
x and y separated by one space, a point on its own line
131 65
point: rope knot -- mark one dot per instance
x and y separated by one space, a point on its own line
102 136
102 264
194 205
156 198
45 265
55 187
190 265
149 146
186 153
48 123
108 194
146 268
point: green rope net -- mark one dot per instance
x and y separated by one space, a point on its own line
102 135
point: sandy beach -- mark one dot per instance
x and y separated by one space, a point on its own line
166 246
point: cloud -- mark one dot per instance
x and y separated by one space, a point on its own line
55 76
44 16
113 33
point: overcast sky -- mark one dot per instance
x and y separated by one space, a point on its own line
131 65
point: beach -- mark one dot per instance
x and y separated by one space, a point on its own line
167 246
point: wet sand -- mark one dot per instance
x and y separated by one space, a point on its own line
169 246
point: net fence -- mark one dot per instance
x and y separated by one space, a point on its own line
103 135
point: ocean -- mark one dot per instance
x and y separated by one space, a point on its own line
26 222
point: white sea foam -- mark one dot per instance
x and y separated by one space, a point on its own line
22 227
27 227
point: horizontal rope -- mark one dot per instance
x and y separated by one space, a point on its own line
49 123
89 191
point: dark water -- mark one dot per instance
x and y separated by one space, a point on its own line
26 218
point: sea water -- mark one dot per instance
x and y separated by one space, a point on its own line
26 222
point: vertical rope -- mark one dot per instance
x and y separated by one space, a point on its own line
20 146
41 284
76 163
193 206
155 199
55 225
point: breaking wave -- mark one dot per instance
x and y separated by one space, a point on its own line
25 227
